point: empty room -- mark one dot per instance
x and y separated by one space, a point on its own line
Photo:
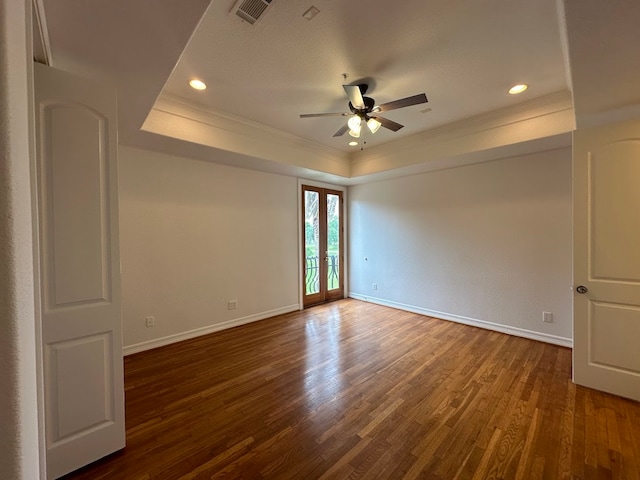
270 239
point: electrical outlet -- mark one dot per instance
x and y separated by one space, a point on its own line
150 321
232 305
547 317
374 286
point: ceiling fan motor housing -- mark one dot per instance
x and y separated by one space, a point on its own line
369 103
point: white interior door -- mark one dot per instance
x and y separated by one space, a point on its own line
607 258
79 268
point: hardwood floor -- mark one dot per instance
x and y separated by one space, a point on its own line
355 390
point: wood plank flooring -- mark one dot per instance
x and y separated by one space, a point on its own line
355 390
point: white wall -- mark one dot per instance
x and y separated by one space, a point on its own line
19 448
486 244
195 235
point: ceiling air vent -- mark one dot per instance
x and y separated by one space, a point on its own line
250 10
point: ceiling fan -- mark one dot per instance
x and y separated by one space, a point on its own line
364 110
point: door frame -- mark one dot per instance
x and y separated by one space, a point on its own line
345 236
23 274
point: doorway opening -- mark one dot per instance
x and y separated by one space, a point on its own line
323 252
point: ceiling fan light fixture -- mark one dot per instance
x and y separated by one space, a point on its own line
373 124
364 110
355 125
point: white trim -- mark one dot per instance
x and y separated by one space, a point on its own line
314 183
38 9
180 106
541 108
249 141
484 135
41 26
179 337
497 327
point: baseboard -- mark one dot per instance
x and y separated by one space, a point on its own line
497 327
179 337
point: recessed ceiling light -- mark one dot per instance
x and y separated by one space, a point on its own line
353 144
516 89
197 84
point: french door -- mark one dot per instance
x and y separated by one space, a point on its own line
323 261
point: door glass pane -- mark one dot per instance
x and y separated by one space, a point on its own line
311 242
333 241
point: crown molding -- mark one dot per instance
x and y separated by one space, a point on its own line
538 118
183 120
176 105
482 136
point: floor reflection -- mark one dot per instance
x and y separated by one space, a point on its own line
323 361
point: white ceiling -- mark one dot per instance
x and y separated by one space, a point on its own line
463 54
131 44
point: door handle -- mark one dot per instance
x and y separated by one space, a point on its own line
582 289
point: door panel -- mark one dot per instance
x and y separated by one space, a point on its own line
80 269
312 242
334 275
607 258
79 259
79 402
73 134
323 245
333 286
609 331
614 186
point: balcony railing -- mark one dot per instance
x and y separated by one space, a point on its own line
312 274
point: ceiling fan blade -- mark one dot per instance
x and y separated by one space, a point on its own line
403 102
390 124
310 115
342 131
355 95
